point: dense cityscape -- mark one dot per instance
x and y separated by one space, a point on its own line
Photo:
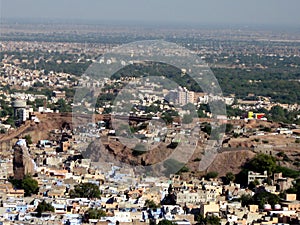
96 127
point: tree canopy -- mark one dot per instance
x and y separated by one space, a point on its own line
263 162
85 190
166 222
95 213
44 207
29 185
210 175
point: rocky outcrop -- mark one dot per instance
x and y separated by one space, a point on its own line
230 161
22 162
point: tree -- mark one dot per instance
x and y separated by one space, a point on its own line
229 128
184 169
253 184
44 207
266 197
85 190
38 84
29 185
287 172
28 139
95 213
263 162
2 131
151 204
212 175
209 220
212 220
166 222
246 200
207 128
230 177
295 189
62 106
167 118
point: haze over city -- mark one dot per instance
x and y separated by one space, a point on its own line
275 12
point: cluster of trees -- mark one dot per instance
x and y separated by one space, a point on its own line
261 163
260 199
6 111
29 185
72 67
275 84
295 189
279 114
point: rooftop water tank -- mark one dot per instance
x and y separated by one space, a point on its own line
267 207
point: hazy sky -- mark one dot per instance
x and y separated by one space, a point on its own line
156 11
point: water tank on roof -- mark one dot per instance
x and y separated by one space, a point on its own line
267 207
19 104
277 207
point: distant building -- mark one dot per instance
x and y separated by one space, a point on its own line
20 110
181 96
256 116
59 94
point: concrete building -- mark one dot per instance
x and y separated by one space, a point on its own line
252 176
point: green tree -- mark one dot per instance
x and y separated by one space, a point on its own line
29 185
229 128
263 162
167 118
212 220
184 169
166 222
85 190
212 175
39 103
295 189
38 84
253 184
266 197
2 131
44 207
246 200
230 177
209 220
207 128
287 172
95 213
151 204
28 139
62 106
